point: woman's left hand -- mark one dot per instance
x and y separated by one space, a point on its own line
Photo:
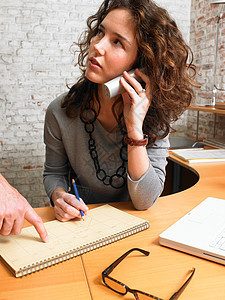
136 102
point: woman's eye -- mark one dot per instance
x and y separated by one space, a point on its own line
100 33
118 43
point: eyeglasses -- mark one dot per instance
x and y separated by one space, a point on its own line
123 289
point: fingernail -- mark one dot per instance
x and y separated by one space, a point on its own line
46 239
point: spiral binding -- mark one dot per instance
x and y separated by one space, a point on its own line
80 250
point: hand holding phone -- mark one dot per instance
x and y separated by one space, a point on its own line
113 87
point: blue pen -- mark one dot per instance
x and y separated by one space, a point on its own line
77 195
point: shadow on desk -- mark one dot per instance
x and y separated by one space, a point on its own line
178 178
180 142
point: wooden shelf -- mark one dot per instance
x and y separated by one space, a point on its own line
210 109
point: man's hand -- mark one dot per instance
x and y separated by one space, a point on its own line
14 208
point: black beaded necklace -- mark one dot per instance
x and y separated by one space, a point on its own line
117 180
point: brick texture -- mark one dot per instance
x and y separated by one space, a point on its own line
36 64
203 43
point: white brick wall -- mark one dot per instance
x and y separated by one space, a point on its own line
180 10
203 42
36 63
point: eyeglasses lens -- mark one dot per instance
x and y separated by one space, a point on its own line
115 286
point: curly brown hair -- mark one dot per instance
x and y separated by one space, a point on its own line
162 53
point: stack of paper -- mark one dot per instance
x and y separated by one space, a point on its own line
195 155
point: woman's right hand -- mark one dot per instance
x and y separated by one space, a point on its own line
67 206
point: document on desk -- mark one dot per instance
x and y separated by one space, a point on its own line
26 253
198 156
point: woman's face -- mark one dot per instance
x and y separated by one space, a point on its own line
114 49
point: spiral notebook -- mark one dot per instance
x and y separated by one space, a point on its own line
26 253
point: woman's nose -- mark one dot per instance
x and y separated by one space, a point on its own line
100 47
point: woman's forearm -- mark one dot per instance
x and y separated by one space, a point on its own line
138 161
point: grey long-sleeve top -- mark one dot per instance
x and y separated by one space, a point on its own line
67 146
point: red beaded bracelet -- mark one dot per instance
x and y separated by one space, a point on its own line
133 142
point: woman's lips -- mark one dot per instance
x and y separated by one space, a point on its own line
94 63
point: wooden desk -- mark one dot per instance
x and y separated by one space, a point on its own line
63 281
165 269
159 274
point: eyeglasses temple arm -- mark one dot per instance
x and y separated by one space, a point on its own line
177 294
116 262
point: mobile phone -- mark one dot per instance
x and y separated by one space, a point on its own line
113 87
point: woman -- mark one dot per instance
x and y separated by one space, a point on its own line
104 141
